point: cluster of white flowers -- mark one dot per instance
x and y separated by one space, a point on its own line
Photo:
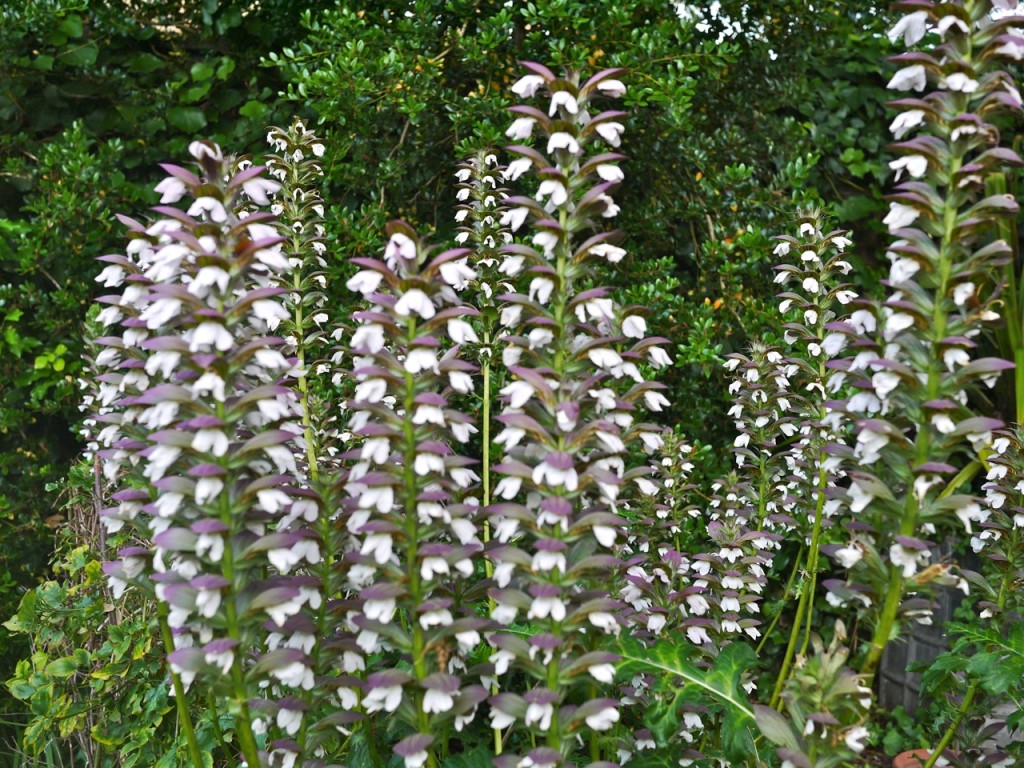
412 498
191 404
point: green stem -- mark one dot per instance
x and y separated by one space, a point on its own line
815 550
787 659
947 737
184 716
785 596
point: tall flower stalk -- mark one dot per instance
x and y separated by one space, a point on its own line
202 439
914 366
414 513
816 307
573 361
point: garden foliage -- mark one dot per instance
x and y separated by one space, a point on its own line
456 527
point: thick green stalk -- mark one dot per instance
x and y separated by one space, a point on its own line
797 562
184 716
787 660
815 549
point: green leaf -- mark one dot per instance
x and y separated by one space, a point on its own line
72 26
186 119
43 62
144 62
202 70
254 110
721 682
226 67
83 55
64 667
775 727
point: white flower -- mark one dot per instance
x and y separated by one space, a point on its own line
545 561
160 312
461 332
513 171
911 27
905 121
521 128
387 698
210 335
604 358
634 327
269 312
902 269
884 382
368 338
415 301
909 78
379 610
556 477
209 207
518 392
698 635
603 720
207 489
962 293
457 274
905 558
613 88
611 132
542 607
955 356
540 289
613 253
900 216
400 246
527 86
659 357
437 701
895 324
849 555
958 81
364 281
563 99
170 189
854 737
540 714
915 165
257 189
421 359
563 140
380 545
